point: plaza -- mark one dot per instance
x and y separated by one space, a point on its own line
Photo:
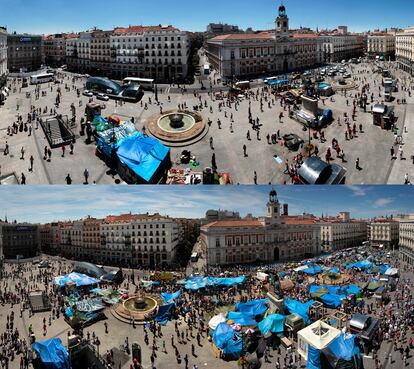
116 335
228 129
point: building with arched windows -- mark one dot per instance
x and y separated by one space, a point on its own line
275 237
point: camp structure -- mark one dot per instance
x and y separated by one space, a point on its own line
318 335
227 342
51 354
216 320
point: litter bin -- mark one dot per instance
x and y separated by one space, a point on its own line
136 352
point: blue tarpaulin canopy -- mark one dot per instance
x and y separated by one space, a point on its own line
170 297
240 318
164 313
253 307
52 354
363 265
228 340
143 155
195 283
299 308
313 269
77 278
274 323
278 82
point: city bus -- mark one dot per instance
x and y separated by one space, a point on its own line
145 83
42 78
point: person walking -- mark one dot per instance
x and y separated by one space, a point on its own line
63 151
357 164
255 178
68 179
23 179
31 163
86 175
71 147
245 151
211 143
22 152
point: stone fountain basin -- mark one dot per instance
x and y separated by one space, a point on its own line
151 305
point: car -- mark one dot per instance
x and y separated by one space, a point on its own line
87 93
102 97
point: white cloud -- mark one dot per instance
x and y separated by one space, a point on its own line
358 190
381 202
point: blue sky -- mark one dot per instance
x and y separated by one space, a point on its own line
47 203
47 16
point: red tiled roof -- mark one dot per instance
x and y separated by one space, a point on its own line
235 223
129 217
299 220
305 35
142 29
244 36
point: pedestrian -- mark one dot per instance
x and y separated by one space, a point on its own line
392 151
22 152
255 178
357 164
406 179
23 179
211 143
49 154
245 151
31 163
68 179
63 151
86 175
71 147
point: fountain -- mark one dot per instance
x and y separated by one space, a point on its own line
135 308
177 128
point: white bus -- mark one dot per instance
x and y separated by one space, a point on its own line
42 78
145 83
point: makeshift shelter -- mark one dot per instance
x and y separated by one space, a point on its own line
196 283
274 323
373 286
299 308
164 314
216 320
52 354
341 353
226 339
77 279
253 307
287 284
241 318
391 272
170 297
313 269
145 157
318 335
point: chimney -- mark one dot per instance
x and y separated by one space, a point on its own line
285 210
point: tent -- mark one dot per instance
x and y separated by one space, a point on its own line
391 271
143 155
164 314
313 269
286 284
76 278
373 286
195 283
299 308
300 268
170 297
318 335
228 340
241 318
274 323
362 265
52 354
216 320
253 307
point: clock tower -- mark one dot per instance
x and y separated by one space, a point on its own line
273 208
282 21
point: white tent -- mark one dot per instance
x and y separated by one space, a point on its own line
216 320
300 268
318 335
391 271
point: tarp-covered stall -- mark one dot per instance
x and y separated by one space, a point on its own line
273 323
75 278
299 308
228 341
52 354
253 307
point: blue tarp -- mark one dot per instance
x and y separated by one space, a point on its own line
52 354
143 155
278 82
344 347
363 265
77 278
241 318
253 307
164 313
332 301
228 340
195 283
334 270
313 269
314 358
170 297
299 308
274 323
352 288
